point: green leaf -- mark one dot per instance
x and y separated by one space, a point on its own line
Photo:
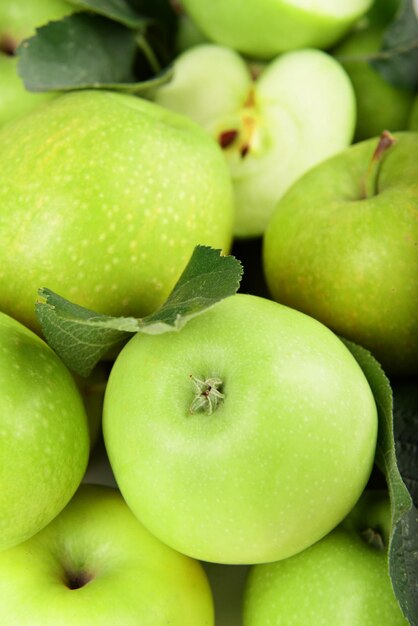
403 548
118 10
82 337
397 61
85 50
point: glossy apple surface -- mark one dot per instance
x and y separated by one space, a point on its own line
348 256
18 20
95 565
263 28
44 441
343 579
297 112
269 471
104 197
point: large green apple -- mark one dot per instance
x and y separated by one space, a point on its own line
342 246
95 565
243 438
263 28
380 105
18 20
104 196
44 438
299 111
343 579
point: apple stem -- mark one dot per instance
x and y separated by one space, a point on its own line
8 45
149 53
373 538
369 183
208 397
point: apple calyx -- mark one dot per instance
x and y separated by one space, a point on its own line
208 396
7 45
374 538
242 138
369 182
76 581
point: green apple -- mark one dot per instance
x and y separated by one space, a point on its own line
343 579
18 20
297 112
95 565
104 197
342 247
380 105
228 439
44 439
263 28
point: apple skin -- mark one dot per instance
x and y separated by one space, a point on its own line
133 578
340 580
349 261
280 131
380 105
104 197
264 28
269 472
44 443
18 21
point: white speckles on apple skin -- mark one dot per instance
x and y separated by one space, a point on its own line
112 189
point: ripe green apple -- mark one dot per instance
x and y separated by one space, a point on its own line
299 111
228 439
342 247
95 565
380 105
18 20
44 438
264 28
104 197
343 579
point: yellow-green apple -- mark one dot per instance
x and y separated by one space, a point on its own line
263 28
18 20
104 197
413 119
228 439
44 437
343 579
342 246
95 565
297 112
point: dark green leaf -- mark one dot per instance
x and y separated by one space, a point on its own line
88 51
118 10
82 337
397 62
403 548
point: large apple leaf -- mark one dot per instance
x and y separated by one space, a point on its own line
397 61
403 549
82 337
109 46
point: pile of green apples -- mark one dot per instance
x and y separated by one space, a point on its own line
242 445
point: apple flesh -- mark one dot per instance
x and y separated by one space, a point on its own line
348 256
342 579
104 197
268 471
297 112
95 565
44 443
264 28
